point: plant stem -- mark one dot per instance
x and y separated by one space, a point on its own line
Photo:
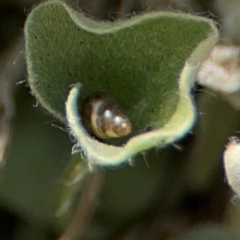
85 207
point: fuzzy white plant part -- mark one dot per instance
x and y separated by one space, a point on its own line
221 70
232 164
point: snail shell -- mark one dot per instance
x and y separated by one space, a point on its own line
103 118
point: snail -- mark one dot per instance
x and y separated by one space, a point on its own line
103 118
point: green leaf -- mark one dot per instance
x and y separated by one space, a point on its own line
147 64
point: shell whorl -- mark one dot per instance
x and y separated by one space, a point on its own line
103 118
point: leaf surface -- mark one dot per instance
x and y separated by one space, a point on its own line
147 64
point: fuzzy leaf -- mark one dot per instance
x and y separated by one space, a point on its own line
147 64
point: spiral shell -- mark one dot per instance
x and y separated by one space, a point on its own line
103 118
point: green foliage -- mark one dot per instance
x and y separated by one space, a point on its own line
147 64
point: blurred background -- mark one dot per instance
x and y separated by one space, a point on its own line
167 192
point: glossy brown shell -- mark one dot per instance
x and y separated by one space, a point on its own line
103 118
